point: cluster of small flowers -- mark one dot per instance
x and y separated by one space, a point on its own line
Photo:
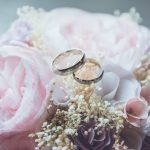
119 145
82 109
142 73
33 17
131 15
105 114
79 90
52 135
92 106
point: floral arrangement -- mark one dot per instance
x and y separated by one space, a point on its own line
96 96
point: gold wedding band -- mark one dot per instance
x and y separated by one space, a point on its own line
84 70
68 61
90 72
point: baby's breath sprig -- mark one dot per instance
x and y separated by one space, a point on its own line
142 73
53 134
84 107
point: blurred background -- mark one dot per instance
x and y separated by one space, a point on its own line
8 8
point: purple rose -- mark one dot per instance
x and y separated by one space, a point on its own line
90 139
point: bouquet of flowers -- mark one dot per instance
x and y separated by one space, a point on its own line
73 80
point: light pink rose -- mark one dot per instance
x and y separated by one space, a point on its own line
136 112
24 90
118 39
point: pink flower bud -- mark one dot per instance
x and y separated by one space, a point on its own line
136 111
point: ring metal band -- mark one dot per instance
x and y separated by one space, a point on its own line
78 62
92 80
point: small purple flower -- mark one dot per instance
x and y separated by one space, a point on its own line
18 31
90 139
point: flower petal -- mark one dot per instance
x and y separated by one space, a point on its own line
145 92
109 85
132 139
59 93
136 111
20 141
128 88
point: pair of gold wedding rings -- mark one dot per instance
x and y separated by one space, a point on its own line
74 61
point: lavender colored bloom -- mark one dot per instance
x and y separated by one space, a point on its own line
18 31
90 139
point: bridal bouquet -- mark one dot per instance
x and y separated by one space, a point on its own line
73 80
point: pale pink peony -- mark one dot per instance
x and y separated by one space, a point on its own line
118 39
24 90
